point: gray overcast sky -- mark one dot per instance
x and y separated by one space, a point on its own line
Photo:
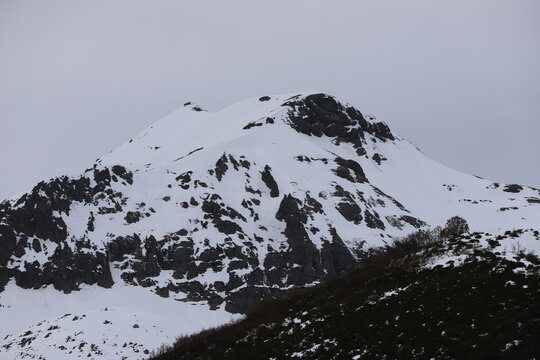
460 79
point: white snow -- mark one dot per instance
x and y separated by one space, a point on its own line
105 319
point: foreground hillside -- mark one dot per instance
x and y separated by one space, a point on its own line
456 299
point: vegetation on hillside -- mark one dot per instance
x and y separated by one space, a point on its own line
433 294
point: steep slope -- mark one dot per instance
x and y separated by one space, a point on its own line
456 299
223 209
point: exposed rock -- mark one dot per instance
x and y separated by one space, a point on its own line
417 223
513 188
36 246
269 180
335 256
216 212
320 114
132 217
373 221
252 125
350 211
221 167
90 225
121 172
348 207
378 158
350 170
121 246
67 270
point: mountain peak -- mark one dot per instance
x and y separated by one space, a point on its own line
182 132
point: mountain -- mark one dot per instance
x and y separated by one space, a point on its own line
204 214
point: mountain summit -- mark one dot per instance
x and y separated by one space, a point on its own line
211 212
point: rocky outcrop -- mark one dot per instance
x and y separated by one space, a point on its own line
321 115
513 188
66 270
269 181
35 224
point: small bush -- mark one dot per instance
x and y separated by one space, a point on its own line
532 258
455 226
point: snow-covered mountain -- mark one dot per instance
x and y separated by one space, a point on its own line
203 214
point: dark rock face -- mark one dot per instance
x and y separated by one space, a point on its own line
8 242
121 246
34 212
258 123
174 253
373 221
350 170
36 221
350 211
221 167
336 257
269 180
348 207
417 223
301 249
90 225
252 125
303 256
378 158
513 188
321 114
300 264
66 270
132 217
400 221
122 173
217 212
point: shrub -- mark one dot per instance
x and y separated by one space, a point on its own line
455 226
532 258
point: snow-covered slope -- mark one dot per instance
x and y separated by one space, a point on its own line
221 209
123 322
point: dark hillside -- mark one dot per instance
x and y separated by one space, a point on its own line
488 307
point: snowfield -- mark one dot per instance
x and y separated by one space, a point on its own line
123 322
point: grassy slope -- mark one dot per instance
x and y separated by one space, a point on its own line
481 309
